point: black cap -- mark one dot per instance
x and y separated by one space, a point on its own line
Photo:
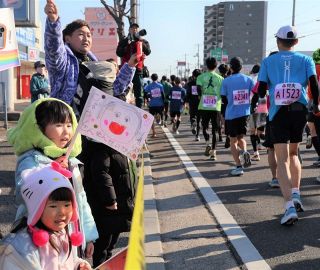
39 64
134 25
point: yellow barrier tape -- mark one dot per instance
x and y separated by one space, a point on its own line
135 257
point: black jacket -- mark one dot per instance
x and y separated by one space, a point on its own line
109 179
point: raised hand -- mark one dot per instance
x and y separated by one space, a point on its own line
51 10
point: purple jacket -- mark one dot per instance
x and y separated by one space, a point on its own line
63 66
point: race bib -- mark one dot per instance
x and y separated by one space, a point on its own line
287 93
241 97
209 101
176 95
156 92
194 90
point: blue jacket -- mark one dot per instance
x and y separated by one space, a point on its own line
63 66
34 158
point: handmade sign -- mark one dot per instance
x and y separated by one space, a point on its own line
122 126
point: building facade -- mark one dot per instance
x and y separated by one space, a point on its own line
236 29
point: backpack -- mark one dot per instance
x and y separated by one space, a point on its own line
145 72
100 74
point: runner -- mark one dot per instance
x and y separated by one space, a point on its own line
209 84
235 92
155 95
193 99
287 74
177 98
166 87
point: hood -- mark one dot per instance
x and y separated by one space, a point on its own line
26 135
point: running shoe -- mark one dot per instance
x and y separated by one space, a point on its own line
290 216
316 163
255 157
213 154
309 142
237 171
158 118
197 139
174 127
165 123
177 132
220 138
207 151
246 159
274 183
194 128
297 202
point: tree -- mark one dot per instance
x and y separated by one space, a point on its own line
118 12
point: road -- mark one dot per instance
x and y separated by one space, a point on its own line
255 207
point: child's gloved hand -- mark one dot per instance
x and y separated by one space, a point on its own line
89 250
63 161
84 266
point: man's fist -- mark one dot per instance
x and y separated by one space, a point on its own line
51 10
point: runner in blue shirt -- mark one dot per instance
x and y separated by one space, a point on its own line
287 74
235 93
155 95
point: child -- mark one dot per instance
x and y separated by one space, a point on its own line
42 135
177 98
42 240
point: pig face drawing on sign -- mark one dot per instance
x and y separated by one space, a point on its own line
119 122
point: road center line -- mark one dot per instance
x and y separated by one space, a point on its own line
249 255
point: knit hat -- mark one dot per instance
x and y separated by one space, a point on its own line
287 32
37 186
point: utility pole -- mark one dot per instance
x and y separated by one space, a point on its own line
185 65
134 11
293 12
198 56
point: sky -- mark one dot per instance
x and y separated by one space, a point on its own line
175 28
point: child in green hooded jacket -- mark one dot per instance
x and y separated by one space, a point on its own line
42 135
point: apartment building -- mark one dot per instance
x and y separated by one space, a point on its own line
236 29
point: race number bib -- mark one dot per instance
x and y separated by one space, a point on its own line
209 101
156 92
194 90
241 97
287 93
176 95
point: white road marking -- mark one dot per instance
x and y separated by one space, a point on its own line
249 255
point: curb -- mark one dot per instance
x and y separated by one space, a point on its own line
153 245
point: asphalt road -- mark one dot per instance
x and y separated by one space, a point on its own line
258 208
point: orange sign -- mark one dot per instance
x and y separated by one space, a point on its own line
104 33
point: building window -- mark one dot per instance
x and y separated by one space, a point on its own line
205 38
249 50
205 47
205 21
250 14
247 41
248 6
231 7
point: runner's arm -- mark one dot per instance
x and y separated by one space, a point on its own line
262 89
254 102
224 100
314 86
